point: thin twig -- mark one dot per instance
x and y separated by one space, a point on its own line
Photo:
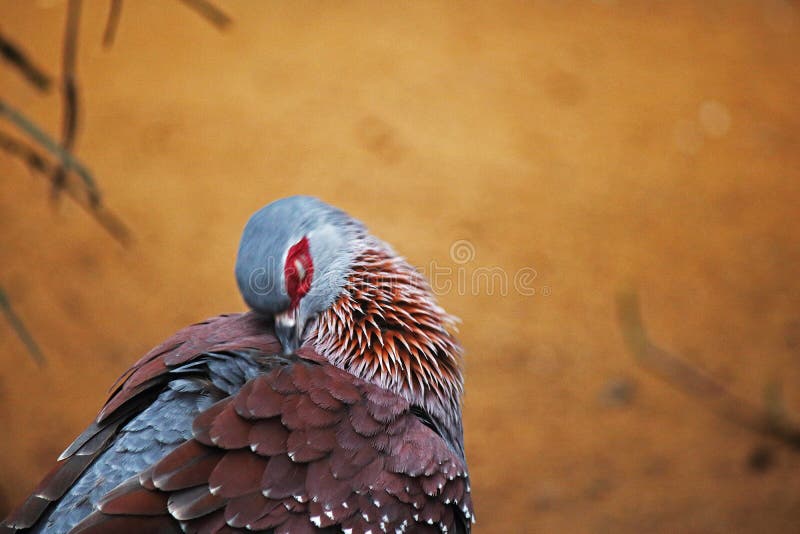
210 12
112 23
39 164
65 158
19 59
21 330
69 88
696 382
28 155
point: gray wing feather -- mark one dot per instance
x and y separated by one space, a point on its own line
150 435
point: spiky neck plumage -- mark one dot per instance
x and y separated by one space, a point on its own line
387 328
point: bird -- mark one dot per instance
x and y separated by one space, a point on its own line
333 404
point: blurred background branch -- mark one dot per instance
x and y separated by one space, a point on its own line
84 191
19 60
65 158
772 420
210 12
69 93
112 23
78 192
20 329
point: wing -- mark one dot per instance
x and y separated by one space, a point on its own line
306 447
178 358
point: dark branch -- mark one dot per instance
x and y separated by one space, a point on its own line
697 383
21 330
69 89
112 23
40 165
210 12
19 59
65 158
29 156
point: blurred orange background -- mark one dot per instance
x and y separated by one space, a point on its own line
603 144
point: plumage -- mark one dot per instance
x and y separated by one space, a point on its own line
335 405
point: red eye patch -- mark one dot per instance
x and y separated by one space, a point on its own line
298 271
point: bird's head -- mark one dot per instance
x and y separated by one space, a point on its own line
293 262
333 286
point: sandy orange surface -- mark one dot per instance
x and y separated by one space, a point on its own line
593 146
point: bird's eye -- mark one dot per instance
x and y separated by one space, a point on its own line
300 270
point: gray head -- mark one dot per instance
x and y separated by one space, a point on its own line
293 262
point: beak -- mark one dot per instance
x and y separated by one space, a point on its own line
288 330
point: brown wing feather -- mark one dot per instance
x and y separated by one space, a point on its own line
133 389
222 333
303 448
354 457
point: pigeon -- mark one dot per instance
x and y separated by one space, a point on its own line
332 405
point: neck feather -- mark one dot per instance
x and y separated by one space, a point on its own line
387 328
